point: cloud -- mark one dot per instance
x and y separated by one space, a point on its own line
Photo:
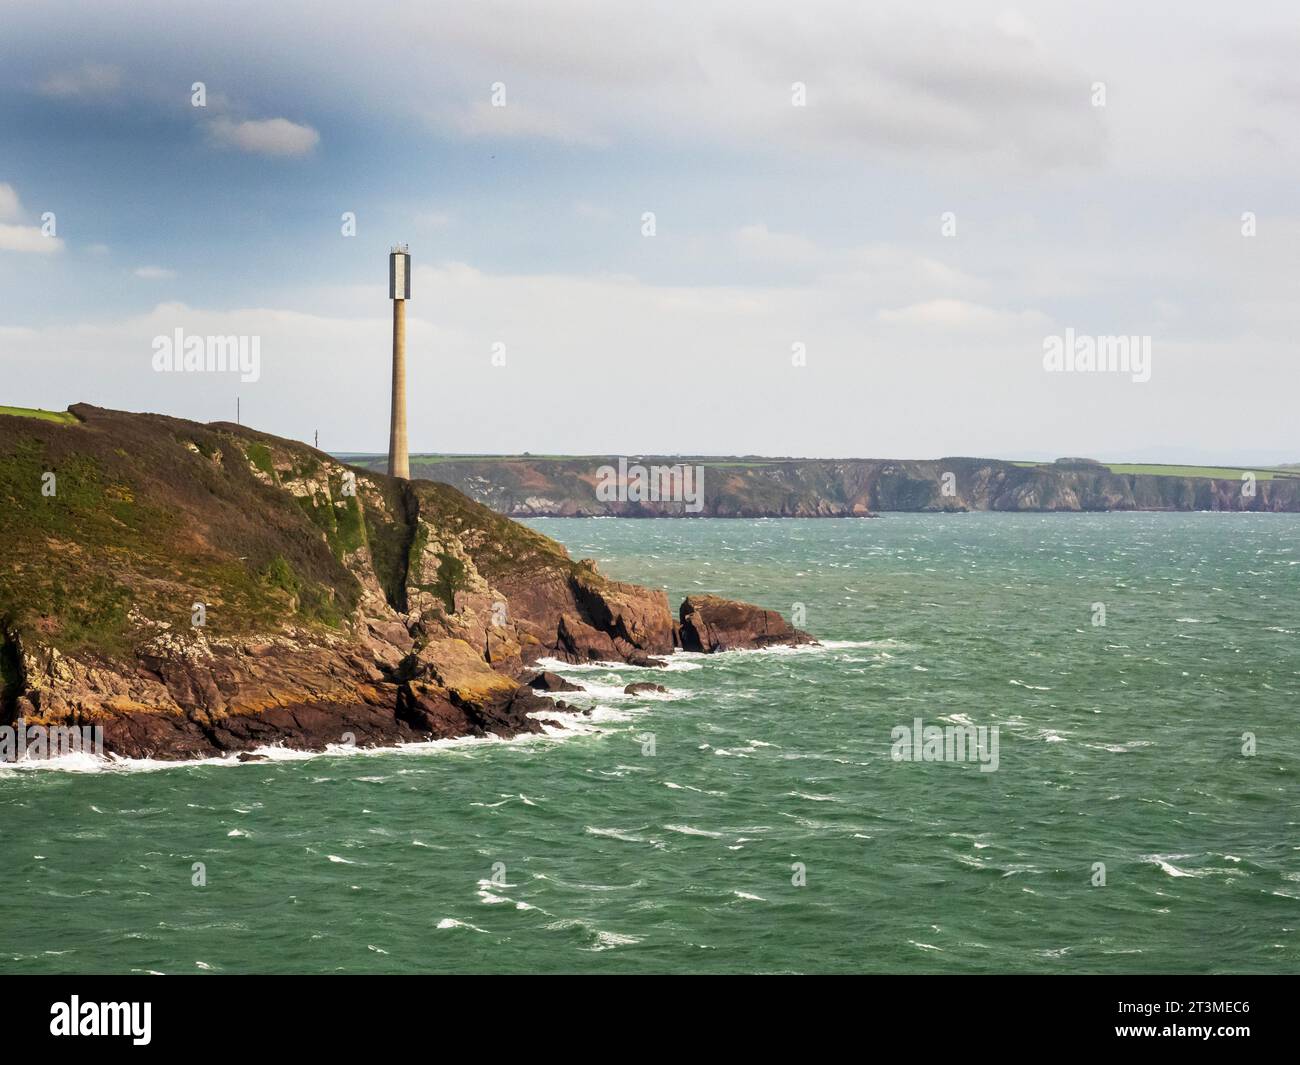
22 238
268 136
10 207
593 211
960 315
976 365
89 79
524 121
154 273
758 242
28 239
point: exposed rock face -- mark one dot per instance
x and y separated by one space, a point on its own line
205 590
710 623
643 687
841 488
547 681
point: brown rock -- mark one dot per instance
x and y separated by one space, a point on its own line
642 686
710 623
551 682
576 641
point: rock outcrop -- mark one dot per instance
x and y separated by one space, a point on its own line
547 681
200 590
643 687
710 623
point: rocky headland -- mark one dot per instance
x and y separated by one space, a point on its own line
201 590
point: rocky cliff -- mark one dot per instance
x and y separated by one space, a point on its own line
815 488
204 589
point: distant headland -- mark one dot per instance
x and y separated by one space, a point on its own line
756 487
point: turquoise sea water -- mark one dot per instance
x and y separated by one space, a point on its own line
1119 744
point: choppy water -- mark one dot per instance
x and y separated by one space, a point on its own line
1119 744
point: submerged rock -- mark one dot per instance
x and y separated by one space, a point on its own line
642 686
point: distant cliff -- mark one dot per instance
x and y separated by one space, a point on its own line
813 488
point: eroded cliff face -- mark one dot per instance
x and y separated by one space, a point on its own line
198 590
828 488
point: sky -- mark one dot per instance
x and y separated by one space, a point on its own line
826 229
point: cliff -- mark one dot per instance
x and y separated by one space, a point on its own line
749 487
203 589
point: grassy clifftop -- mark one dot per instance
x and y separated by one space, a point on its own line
115 525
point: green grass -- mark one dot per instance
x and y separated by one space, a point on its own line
260 456
1221 473
1156 469
62 417
432 460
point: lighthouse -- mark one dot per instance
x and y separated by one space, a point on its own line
399 291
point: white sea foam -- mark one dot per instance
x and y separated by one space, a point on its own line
83 763
451 922
1165 863
623 835
688 830
610 940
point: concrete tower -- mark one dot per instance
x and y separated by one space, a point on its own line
399 291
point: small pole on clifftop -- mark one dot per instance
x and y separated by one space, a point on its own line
237 421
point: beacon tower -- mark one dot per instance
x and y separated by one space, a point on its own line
399 291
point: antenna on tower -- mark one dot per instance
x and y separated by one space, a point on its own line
399 291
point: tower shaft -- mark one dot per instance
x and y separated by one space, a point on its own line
398 461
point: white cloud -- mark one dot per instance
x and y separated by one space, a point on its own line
517 120
593 211
10 207
28 239
960 315
154 273
758 242
662 355
89 79
269 136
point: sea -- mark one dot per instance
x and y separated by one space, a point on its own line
1133 805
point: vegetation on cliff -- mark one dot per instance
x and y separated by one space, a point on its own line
198 589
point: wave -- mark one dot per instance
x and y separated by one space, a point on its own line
451 922
88 763
623 836
688 830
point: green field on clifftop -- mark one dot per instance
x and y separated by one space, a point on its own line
60 416
1155 469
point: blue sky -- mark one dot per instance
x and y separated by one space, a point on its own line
775 225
